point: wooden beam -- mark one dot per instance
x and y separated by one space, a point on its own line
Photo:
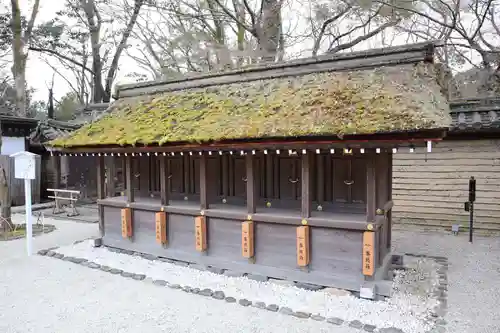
109 162
306 186
251 195
100 192
201 233
303 249
371 195
161 228
247 239
405 139
129 176
164 190
126 214
368 253
203 182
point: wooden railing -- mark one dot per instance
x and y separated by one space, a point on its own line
60 196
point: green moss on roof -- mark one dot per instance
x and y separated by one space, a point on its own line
386 99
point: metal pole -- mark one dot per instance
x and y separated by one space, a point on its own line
472 198
471 221
29 231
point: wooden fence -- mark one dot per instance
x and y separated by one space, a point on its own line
16 186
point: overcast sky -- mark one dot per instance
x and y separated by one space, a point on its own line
39 74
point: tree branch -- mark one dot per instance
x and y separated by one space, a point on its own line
29 28
123 42
325 24
62 56
364 37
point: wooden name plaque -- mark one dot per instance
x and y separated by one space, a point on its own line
247 239
161 227
126 222
201 233
303 255
368 253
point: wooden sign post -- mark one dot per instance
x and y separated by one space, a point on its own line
247 239
200 233
24 168
161 228
368 253
126 222
303 256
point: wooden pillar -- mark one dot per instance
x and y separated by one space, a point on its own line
129 176
110 176
389 195
100 192
186 167
56 165
203 182
124 177
320 184
381 184
225 175
144 175
306 188
269 177
164 190
371 197
250 171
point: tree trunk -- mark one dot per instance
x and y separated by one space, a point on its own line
268 34
5 198
19 58
94 25
119 50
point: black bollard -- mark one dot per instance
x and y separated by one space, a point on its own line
469 206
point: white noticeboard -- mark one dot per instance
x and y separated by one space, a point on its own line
24 168
24 165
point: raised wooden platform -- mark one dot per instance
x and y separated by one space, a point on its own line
335 241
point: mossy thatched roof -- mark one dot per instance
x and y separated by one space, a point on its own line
384 99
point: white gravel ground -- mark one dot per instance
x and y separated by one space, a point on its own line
66 233
404 311
46 295
40 294
473 276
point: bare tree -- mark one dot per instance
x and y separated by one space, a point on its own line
102 21
469 31
20 40
344 24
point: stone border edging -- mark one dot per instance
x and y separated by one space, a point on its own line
220 295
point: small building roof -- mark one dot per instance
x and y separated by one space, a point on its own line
51 129
377 91
13 126
89 113
475 114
